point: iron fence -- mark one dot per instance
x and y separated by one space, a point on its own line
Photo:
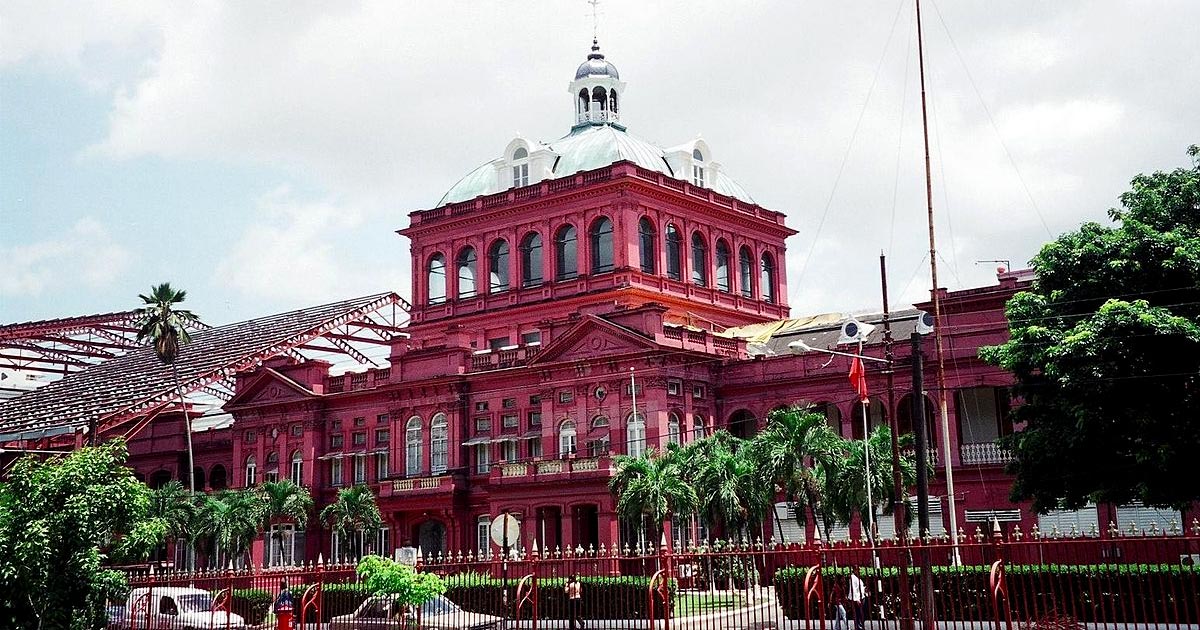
1011 582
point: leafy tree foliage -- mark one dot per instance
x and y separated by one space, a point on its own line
411 588
55 517
229 521
652 487
354 512
1105 348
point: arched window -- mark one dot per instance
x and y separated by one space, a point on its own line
566 259
646 245
722 266
437 279
697 167
602 245
498 267
412 447
583 100
566 438
216 478
600 98
746 272
612 101
439 441
674 255
465 263
272 472
520 167
766 280
635 435
674 429
699 260
251 471
742 424
297 468
699 429
531 260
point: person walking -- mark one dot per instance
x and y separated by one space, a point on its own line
574 590
858 599
838 597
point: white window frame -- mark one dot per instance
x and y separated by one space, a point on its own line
567 438
412 446
483 458
509 451
381 466
336 474
251 471
483 535
674 429
635 435
297 468
439 444
360 469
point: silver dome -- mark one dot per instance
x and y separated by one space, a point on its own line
596 65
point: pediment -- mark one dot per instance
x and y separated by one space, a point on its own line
594 338
270 388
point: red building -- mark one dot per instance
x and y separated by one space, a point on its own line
553 286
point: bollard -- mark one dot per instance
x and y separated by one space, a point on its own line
283 608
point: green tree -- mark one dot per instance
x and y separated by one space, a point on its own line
166 328
56 517
171 516
229 521
354 512
1105 348
286 503
792 451
845 483
408 587
652 488
732 491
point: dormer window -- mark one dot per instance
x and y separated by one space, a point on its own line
520 167
697 167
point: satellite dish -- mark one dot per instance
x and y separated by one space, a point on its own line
924 323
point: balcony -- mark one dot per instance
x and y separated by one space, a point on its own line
418 486
983 453
506 357
533 472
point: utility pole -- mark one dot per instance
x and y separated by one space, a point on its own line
919 429
898 504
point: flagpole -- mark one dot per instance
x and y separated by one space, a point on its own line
866 404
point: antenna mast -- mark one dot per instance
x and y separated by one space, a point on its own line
937 303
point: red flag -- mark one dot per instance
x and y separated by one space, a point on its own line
858 379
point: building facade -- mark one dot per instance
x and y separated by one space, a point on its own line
573 300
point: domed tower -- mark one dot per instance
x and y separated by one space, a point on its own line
597 90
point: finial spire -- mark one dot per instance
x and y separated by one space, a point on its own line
595 23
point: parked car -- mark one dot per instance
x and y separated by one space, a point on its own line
438 613
116 617
176 608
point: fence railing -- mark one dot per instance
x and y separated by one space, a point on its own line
979 582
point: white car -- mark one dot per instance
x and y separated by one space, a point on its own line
438 613
176 608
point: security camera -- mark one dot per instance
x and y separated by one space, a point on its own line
854 331
924 323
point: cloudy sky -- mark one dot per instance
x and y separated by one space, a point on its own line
261 154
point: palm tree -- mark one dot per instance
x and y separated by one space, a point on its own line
353 512
847 489
792 450
173 506
731 489
165 327
652 488
285 501
230 520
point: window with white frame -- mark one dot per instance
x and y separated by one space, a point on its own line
566 438
483 463
674 431
360 469
281 545
1082 521
673 388
251 471
381 466
697 167
508 451
412 447
335 472
520 167
535 447
698 427
272 474
635 444
439 444
483 538
297 468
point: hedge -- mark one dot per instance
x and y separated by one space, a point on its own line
1087 593
603 597
252 604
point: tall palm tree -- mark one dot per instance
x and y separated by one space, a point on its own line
792 450
731 489
652 487
354 512
286 502
230 520
848 488
166 328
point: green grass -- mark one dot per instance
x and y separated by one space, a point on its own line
703 603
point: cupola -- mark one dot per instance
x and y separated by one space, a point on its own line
597 90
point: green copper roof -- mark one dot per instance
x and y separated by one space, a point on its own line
587 148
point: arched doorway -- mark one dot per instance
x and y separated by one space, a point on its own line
743 424
431 538
217 478
159 478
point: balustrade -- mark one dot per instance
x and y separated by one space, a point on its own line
983 453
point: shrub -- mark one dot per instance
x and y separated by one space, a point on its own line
603 597
252 604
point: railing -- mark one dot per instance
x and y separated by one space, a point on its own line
596 116
999 581
498 359
984 453
418 483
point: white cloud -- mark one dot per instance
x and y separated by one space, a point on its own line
86 256
287 254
